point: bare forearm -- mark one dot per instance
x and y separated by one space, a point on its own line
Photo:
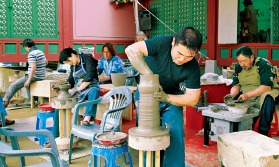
187 99
105 78
235 90
83 86
137 61
259 91
32 73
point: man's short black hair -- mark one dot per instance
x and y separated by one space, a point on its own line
245 51
65 54
28 43
190 37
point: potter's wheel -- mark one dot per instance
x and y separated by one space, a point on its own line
64 99
59 103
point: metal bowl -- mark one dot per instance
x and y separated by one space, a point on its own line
111 138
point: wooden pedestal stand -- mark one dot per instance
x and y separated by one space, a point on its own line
65 122
149 136
149 158
149 144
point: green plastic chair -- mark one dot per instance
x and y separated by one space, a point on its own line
13 150
119 98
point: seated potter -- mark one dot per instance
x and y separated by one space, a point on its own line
109 63
83 79
254 79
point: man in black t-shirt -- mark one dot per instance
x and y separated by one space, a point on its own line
173 58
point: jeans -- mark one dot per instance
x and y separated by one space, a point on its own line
171 117
17 85
93 94
266 114
2 108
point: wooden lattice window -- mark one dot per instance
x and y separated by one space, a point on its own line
28 18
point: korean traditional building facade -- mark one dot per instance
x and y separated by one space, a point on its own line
57 24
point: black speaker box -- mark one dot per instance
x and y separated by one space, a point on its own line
144 20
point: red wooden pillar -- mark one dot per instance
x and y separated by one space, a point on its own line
66 26
212 28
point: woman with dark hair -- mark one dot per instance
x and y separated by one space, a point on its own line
83 79
109 63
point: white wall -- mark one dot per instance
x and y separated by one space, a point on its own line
227 21
99 19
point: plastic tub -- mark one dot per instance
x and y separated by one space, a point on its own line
46 107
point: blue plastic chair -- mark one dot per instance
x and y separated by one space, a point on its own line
13 150
2 108
2 115
110 153
42 117
119 98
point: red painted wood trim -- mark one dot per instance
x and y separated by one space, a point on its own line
67 23
255 46
18 57
212 28
114 42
